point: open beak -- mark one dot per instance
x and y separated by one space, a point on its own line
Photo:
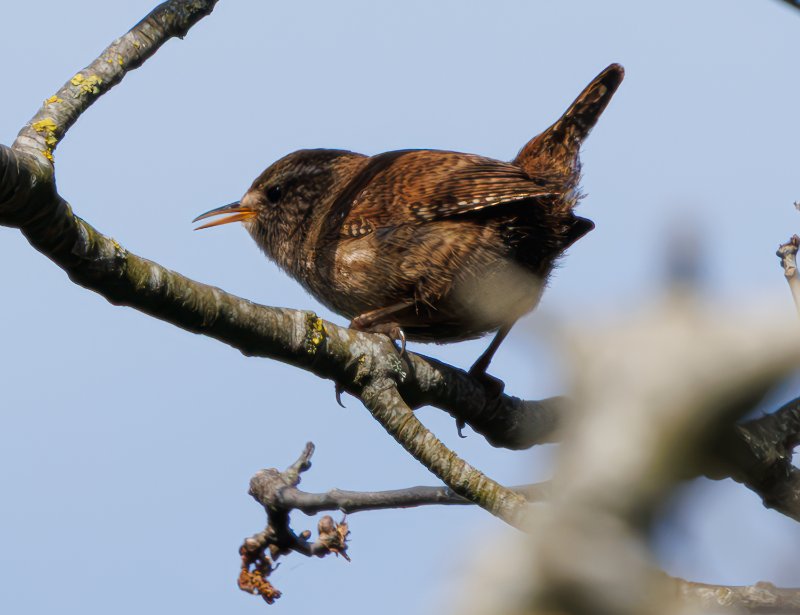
237 211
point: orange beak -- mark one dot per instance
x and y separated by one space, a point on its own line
238 212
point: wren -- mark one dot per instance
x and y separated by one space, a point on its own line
428 245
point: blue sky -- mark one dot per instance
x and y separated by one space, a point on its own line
126 444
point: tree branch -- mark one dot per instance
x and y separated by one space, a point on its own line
170 19
357 501
277 492
388 408
283 494
261 550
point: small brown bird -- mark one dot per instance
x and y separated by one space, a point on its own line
429 245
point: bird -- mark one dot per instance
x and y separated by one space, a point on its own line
422 244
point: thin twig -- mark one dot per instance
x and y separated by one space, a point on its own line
788 255
286 496
277 492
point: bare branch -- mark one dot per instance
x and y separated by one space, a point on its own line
277 492
285 495
357 501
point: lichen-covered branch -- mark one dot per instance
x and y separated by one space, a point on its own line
170 19
388 408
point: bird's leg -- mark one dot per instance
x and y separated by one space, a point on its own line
382 321
493 385
478 369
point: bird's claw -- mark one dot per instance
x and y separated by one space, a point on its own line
339 391
398 335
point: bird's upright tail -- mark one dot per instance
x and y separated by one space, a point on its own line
555 151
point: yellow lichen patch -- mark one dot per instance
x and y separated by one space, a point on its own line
315 332
119 59
53 99
87 85
45 125
48 127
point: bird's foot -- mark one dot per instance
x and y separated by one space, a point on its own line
494 386
392 330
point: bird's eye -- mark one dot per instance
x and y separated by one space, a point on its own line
274 194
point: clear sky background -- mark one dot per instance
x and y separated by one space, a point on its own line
126 445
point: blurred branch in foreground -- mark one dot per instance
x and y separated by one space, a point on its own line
651 397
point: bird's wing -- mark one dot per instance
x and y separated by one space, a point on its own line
419 186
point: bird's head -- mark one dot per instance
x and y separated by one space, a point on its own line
278 209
